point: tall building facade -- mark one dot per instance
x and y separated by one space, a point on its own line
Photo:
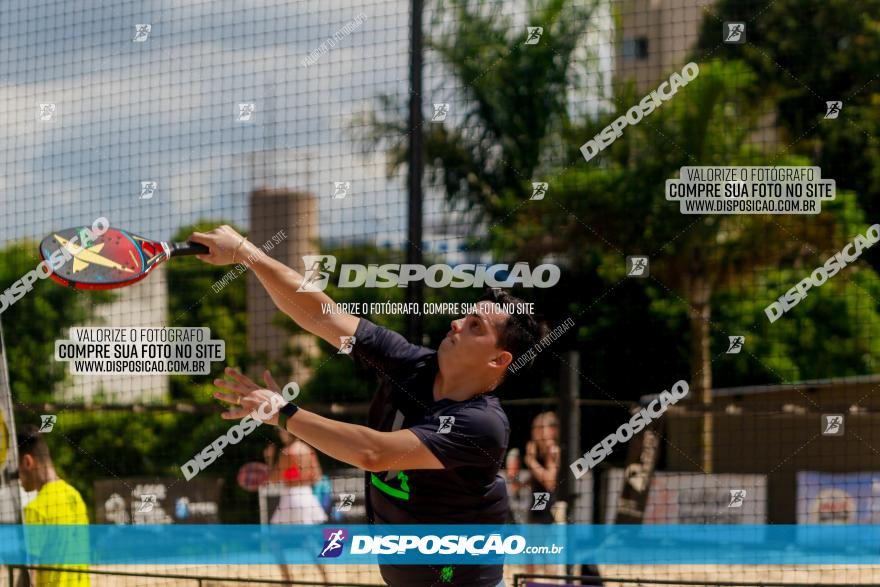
656 38
296 214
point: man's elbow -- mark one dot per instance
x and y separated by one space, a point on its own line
370 460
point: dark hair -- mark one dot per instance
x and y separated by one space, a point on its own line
30 442
520 331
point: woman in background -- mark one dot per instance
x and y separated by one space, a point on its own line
542 460
296 466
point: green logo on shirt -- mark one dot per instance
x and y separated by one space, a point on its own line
402 493
446 574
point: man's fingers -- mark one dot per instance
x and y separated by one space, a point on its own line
229 398
201 238
231 386
270 381
243 379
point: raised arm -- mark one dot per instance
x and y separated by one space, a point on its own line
360 446
356 445
306 308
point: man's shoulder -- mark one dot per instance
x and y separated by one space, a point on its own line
374 342
484 403
483 412
65 487
370 330
53 500
62 490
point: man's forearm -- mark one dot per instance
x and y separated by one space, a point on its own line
307 309
282 282
350 443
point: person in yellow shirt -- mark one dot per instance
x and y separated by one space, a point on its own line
56 503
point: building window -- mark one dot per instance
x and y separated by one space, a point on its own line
635 49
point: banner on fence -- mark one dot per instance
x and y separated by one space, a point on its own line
695 498
157 501
838 498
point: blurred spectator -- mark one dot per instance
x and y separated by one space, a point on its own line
56 503
513 470
542 460
296 466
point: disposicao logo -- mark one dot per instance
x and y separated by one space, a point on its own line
319 268
334 540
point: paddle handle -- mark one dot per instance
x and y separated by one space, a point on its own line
187 248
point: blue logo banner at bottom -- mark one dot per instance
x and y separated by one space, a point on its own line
440 544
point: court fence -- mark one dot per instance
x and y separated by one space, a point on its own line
539 580
200 580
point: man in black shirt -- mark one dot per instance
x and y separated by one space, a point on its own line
436 437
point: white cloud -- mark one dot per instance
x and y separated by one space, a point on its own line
164 110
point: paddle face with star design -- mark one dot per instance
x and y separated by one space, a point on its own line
116 258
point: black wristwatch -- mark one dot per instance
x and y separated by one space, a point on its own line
284 414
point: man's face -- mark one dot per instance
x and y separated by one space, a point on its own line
27 467
471 343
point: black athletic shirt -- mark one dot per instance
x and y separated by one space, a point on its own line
469 490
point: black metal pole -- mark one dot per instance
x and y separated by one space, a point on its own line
569 426
415 291
570 433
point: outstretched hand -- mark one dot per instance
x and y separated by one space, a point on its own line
248 398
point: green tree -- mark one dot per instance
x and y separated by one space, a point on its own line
618 204
805 53
515 99
34 322
830 333
516 128
507 121
595 214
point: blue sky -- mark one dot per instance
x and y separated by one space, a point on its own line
165 110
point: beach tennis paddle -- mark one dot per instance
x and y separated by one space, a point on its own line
251 476
116 258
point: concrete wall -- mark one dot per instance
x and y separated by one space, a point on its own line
778 445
